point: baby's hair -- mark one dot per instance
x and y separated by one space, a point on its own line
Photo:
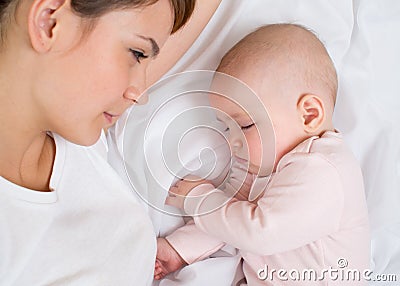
93 9
269 43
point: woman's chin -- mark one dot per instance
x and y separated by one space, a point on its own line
88 139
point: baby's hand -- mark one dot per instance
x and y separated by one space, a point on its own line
167 261
178 193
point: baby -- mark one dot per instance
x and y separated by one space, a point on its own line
307 222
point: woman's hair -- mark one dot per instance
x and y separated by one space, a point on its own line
182 9
93 9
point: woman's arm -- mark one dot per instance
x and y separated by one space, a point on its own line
180 42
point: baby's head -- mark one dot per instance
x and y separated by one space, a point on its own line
291 72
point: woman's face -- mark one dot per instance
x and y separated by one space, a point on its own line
84 85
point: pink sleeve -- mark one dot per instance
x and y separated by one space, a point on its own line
303 202
192 244
239 181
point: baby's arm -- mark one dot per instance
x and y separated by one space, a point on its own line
193 244
184 246
189 244
303 203
238 185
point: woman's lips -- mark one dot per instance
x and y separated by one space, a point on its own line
109 117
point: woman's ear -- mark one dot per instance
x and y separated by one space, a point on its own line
42 23
312 112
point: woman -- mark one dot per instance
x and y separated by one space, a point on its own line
68 69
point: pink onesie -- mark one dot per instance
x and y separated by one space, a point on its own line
308 226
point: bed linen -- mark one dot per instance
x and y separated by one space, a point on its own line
362 37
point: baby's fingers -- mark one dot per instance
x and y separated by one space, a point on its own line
159 276
158 271
174 201
173 191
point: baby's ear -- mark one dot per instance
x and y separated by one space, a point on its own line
43 21
312 112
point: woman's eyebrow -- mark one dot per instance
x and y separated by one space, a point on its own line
154 46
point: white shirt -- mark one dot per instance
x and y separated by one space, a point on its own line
89 231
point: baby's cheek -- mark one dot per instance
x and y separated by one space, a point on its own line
255 148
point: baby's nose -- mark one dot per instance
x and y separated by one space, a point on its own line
236 143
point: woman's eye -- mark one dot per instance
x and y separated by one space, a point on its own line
247 126
138 55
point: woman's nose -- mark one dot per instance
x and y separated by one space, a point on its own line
135 91
135 95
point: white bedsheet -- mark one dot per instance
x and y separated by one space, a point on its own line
363 38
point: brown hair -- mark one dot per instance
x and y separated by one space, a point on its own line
93 9
182 9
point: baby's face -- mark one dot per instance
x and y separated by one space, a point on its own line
249 131
268 124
